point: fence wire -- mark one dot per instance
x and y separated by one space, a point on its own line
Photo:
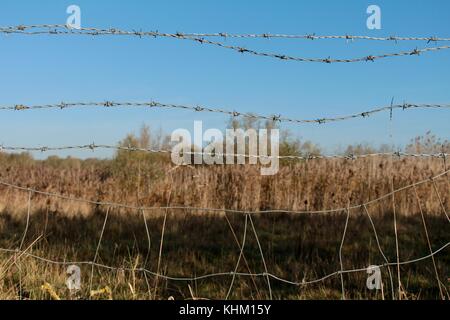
65 30
216 210
93 147
221 274
275 118
204 38
311 36
18 253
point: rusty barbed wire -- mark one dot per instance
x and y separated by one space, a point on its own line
198 108
199 38
55 29
311 36
94 147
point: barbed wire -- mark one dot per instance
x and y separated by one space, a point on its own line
219 274
200 38
199 108
216 210
311 36
94 147
65 30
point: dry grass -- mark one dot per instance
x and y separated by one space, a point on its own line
313 185
295 246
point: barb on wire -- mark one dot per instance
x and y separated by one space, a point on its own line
274 118
201 39
94 146
225 35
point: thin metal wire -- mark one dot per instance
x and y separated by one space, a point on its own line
149 241
65 30
262 255
218 274
241 254
215 210
274 118
440 201
340 253
98 248
265 274
400 291
27 224
380 249
241 250
428 242
199 38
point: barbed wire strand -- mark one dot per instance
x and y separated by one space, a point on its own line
94 147
200 39
311 36
198 108
65 30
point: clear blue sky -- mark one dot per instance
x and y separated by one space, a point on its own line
49 69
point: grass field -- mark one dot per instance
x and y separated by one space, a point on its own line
296 247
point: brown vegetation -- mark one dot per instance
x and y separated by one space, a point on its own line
296 246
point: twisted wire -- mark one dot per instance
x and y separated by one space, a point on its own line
198 108
66 30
